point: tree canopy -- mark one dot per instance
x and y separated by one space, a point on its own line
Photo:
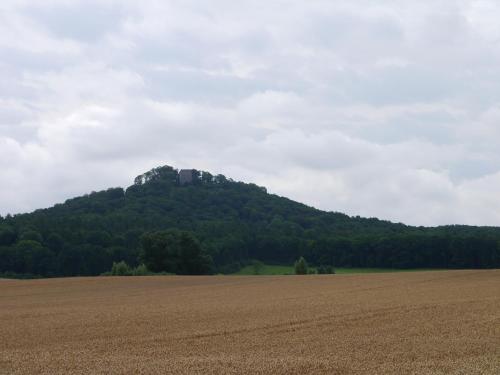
232 222
176 252
300 266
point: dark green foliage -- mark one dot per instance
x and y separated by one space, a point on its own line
121 269
141 270
323 270
301 266
7 236
175 251
32 258
257 266
31 235
233 223
229 268
13 275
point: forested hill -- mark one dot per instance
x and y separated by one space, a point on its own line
235 223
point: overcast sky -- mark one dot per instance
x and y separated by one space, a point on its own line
372 108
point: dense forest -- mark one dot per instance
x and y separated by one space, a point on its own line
233 222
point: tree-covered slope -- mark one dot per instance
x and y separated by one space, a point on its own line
234 221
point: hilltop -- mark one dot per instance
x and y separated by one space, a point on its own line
234 221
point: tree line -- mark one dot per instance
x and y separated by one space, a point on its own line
233 223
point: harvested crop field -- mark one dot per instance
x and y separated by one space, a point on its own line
399 323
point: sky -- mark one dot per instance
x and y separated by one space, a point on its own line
387 109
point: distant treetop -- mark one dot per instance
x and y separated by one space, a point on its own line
181 177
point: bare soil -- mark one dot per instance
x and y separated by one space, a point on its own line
442 322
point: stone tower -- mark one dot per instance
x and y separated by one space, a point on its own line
186 176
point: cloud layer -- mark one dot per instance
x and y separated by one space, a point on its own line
384 109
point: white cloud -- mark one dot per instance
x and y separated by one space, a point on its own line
384 109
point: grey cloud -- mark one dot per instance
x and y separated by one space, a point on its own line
85 21
392 107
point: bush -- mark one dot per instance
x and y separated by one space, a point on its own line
322 269
301 266
257 267
121 269
13 275
141 270
229 268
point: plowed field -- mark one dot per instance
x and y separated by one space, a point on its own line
401 323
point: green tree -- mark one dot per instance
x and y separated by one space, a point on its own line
141 270
322 269
37 260
7 236
234 222
301 266
31 235
121 269
175 251
257 267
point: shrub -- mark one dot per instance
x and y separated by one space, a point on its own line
301 266
322 269
257 267
229 268
121 269
141 270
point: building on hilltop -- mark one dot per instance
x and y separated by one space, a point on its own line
186 176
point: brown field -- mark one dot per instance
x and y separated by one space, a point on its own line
395 323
